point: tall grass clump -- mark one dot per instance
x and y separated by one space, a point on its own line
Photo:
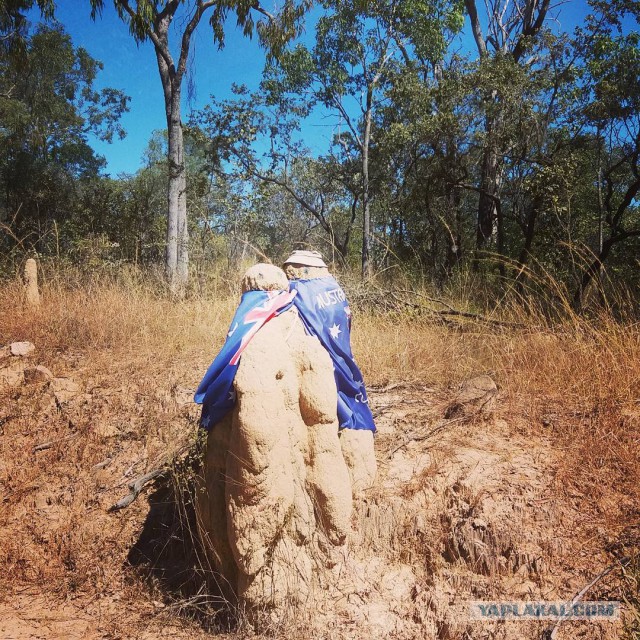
568 375
128 311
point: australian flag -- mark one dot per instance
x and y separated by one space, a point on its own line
216 392
324 309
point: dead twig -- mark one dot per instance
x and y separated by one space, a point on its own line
136 487
480 318
442 315
48 445
138 484
550 634
381 410
416 437
413 386
102 465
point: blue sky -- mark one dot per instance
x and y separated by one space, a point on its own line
133 69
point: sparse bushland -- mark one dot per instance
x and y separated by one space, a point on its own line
566 379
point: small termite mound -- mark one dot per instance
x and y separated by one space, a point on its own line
31 293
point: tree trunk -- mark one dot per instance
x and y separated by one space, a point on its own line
366 213
177 249
177 229
500 236
454 235
344 247
593 270
486 203
489 214
526 19
521 275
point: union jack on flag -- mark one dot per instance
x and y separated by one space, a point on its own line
215 392
276 300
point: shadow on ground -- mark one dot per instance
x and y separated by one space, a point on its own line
169 558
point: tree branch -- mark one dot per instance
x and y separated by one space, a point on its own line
340 107
160 48
260 9
186 36
317 214
136 487
476 28
530 29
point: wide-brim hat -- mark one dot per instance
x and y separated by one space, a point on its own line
306 258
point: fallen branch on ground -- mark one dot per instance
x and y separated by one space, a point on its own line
136 486
417 437
397 299
47 445
102 465
550 634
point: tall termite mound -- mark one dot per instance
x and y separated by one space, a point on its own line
276 502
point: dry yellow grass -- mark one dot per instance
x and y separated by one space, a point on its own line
577 382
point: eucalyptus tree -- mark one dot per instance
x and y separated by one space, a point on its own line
504 38
253 138
358 49
51 108
151 20
14 23
425 142
14 32
610 115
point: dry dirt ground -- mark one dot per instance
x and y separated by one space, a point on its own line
464 508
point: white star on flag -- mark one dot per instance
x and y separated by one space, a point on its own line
335 331
232 395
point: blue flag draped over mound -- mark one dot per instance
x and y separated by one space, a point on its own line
325 312
216 393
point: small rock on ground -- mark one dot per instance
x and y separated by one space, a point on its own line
21 348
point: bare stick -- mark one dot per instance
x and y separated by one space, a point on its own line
550 634
442 313
47 445
136 487
102 465
416 437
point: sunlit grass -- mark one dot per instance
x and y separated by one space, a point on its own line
568 378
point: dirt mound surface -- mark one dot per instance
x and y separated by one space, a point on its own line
464 508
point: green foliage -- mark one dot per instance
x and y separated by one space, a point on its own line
614 70
274 30
282 194
358 44
14 25
545 126
47 109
